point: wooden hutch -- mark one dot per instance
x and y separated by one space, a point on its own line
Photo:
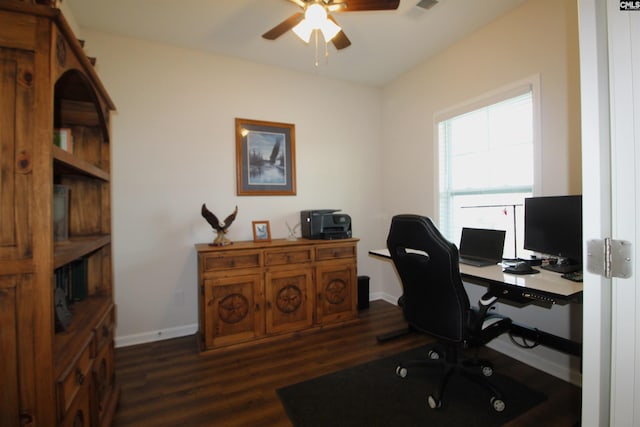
256 292
56 365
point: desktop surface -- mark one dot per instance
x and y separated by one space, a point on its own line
546 286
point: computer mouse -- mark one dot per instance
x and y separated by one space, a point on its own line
520 267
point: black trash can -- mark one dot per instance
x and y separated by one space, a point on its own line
363 292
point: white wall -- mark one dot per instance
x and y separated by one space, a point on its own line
174 149
538 38
367 151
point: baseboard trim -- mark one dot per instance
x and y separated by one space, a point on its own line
384 296
158 335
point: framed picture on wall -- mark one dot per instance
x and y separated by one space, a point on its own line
265 158
261 231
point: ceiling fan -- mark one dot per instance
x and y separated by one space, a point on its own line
315 16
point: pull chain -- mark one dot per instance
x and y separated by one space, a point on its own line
326 50
316 37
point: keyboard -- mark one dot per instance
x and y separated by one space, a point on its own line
575 276
477 262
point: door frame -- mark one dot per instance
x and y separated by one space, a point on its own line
607 39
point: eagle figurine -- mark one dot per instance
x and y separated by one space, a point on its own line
220 227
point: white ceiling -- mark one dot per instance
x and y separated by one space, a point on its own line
385 44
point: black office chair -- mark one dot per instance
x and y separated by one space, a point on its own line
435 302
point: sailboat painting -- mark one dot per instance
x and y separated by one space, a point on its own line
266 164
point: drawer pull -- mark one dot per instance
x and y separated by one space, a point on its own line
26 419
78 420
79 377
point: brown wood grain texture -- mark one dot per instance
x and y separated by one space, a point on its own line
169 383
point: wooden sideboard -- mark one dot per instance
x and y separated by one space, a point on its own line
251 292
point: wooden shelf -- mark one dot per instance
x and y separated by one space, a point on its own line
66 343
76 247
79 113
67 163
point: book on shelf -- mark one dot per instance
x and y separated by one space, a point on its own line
60 212
71 284
72 278
63 138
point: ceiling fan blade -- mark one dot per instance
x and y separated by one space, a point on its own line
336 7
300 3
340 40
360 5
284 26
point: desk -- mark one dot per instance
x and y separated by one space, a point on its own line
545 287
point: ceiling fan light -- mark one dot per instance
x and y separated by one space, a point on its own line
329 30
303 30
316 15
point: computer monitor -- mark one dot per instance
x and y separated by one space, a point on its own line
553 226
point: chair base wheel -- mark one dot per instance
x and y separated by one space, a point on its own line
498 405
487 371
401 371
433 402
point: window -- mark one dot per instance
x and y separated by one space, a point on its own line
486 165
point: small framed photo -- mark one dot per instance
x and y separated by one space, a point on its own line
265 158
261 231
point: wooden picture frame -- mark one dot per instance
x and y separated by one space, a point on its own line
265 158
261 231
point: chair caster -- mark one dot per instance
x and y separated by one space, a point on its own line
433 402
433 355
498 405
487 371
401 371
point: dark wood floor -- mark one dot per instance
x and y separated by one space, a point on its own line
169 383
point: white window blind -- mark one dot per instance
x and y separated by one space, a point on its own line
486 168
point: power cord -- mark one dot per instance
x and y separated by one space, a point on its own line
525 343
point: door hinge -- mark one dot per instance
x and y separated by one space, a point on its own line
609 258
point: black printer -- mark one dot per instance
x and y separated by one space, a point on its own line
325 224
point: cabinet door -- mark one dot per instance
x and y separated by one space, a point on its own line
233 309
73 381
103 379
17 100
289 300
336 292
9 400
79 413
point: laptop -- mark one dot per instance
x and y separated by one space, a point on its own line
481 247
